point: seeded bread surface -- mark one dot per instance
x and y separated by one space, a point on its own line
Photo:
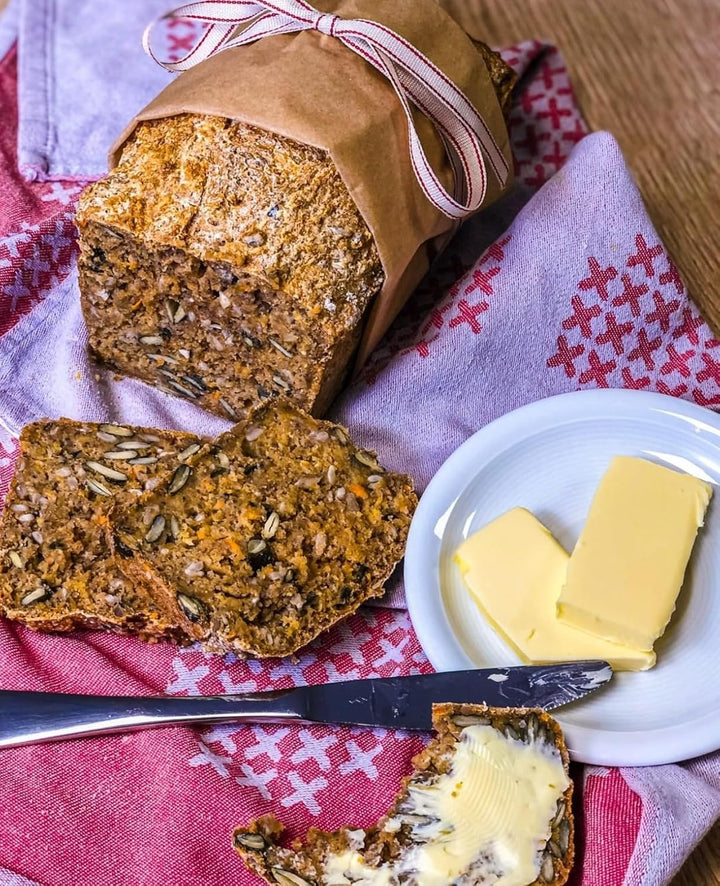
303 863
223 263
56 571
271 534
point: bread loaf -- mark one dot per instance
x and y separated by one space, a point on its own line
225 264
269 535
56 572
447 826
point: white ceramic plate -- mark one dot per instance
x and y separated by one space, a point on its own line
549 457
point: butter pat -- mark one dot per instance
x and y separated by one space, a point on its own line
491 814
515 570
628 565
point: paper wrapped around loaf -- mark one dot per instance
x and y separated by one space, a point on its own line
307 282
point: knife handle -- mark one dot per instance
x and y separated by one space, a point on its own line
35 717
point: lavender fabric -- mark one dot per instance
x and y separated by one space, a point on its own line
87 51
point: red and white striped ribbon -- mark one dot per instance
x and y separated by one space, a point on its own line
416 80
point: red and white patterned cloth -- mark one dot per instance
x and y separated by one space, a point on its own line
572 290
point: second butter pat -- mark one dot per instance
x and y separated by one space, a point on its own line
628 565
515 570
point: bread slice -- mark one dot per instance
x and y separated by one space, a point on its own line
56 571
271 534
476 841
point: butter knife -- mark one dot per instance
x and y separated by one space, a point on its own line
394 702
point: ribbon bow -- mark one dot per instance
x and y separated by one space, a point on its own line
468 141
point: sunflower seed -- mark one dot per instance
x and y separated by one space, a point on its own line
150 339
554 848
331 474
368 459
308 482
374 479
250 340
179 479
547 871
280 348
319 436
229 411
15 559
256 546
190 606
560 813
157 527
532 726
280 382
463 720
162 358
34 596
26 518
341 436
116 430
120 455
96 487
190 450
21 508
250 841
196 382
271 525
37 536
181 389
222 458
143 460
107 438
564 835
184 353
133 444
511 732
180 314
170 307
104 471
174 527
340 493
289 878
253 433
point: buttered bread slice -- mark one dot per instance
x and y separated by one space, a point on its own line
488 802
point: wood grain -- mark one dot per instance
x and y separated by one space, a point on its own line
647 71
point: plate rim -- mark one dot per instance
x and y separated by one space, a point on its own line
428 616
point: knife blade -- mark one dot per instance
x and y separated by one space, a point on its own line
393 702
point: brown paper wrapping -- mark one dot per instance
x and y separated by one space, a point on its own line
311 88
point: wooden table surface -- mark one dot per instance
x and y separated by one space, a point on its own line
647 71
